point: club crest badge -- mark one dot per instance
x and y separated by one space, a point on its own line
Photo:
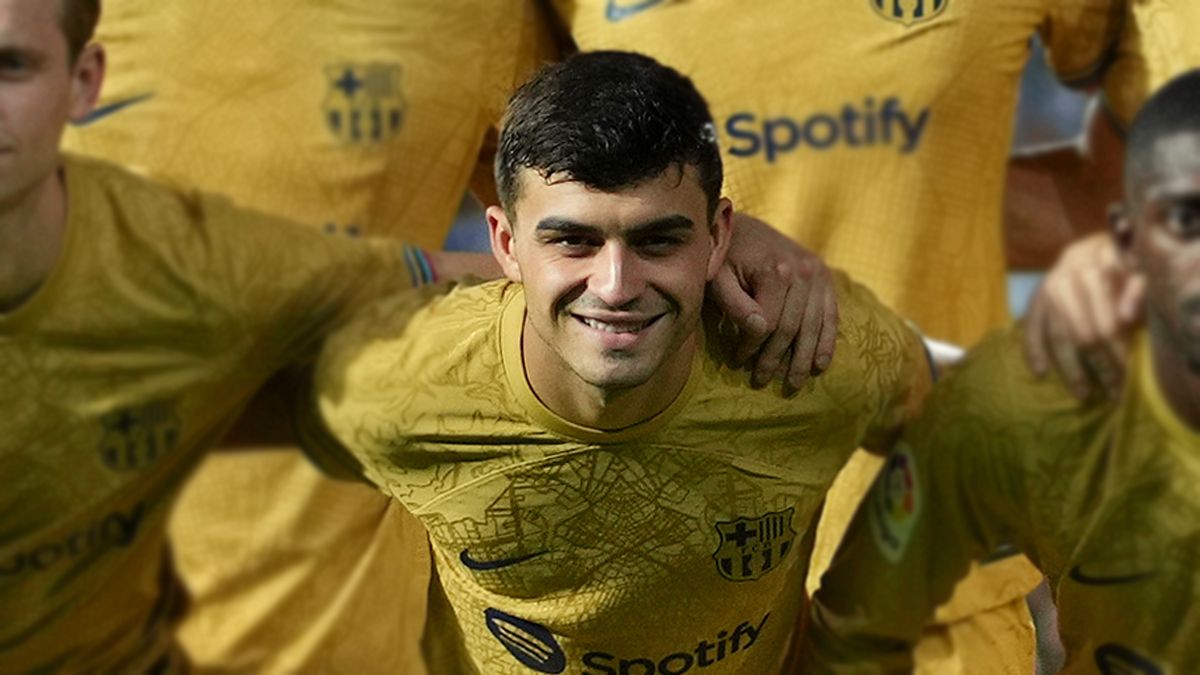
751 547
135 437
909 12
895 504
365 102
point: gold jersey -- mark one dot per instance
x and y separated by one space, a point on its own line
680 542
1103 496
166 310
873 131
358 117
1156 45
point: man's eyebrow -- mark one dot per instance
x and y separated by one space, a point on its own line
558 225
664 224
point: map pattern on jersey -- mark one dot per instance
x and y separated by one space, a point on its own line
564 547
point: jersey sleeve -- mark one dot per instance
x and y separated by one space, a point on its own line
284 286
341 414
1080 38
953 490
893 369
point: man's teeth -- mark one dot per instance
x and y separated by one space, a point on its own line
616 327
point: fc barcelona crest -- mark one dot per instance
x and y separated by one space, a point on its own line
751 547
365 103
908 12
133 438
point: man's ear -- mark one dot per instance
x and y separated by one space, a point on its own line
86 79
500 231
1121 226
721 233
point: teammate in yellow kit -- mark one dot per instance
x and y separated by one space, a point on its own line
1102 494
601 493
358 118
875 132
134 323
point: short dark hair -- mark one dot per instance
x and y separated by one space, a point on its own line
78 19
608 120
1172 109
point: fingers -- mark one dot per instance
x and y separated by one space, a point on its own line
790 320
746 313
829 328
1034 340
804 347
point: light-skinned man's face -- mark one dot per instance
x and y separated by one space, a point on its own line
1164 239
614 281
39 92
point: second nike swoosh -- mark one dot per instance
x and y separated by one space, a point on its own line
1078 575
487 565
617 13
103 111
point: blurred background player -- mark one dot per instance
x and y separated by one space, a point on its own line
356 118
135 321
875 132
1102 493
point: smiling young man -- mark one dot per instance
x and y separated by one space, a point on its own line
601 493
1101 494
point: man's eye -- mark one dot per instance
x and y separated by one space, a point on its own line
658 244
1184 219
13 62
572 242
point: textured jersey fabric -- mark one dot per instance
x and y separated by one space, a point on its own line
357 117
678 542
166 310
1103 496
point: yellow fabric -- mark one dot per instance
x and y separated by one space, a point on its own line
1157 44
908 205
290 572
914 216
1102 495
165 312
607 546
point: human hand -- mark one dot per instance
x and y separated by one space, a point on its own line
781 297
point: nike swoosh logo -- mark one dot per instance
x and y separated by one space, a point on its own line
487 565
103 111
1078 575
616 12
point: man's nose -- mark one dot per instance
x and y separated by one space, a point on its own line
618 276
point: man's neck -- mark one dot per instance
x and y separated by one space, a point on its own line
32 228
581 403
1180 384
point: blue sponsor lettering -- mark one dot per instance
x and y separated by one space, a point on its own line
115 529
864 125
705 654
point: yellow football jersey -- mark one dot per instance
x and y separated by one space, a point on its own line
166 310
1103 496
875 131
678 542
357 117
1157 44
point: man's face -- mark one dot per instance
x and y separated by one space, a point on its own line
39 92
1166 239
614 281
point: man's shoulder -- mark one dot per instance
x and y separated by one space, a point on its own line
992 400
427 333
